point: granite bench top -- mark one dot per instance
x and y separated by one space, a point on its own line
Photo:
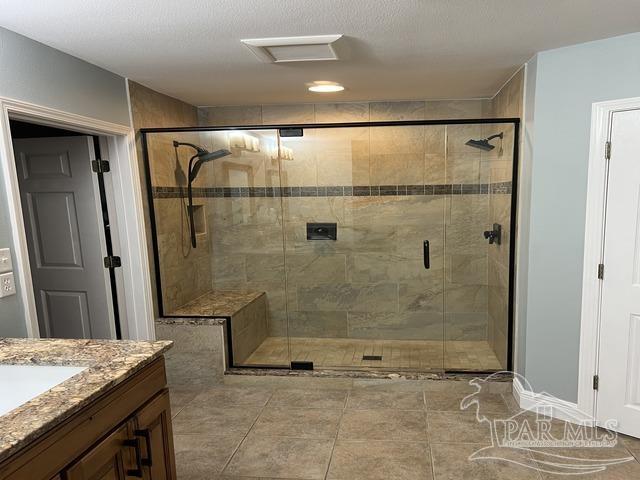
108 362
217 303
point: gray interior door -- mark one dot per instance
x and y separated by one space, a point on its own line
65 236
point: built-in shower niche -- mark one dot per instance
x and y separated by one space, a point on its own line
199 216
358 294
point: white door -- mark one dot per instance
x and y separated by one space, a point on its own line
619 353
65 237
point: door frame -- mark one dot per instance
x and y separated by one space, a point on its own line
136 303
601 117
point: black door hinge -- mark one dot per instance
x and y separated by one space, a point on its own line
112 262
100 166
596 381
601 271
607 150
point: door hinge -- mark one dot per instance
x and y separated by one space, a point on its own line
596 380
601 271
607 150
112 262
100 166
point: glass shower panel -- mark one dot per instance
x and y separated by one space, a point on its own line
236 269
357 214
477 265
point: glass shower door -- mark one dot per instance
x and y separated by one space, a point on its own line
247 244
364 246
235 270
477 247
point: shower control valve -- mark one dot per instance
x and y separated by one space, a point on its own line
495 235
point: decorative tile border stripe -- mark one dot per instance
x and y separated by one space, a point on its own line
337 191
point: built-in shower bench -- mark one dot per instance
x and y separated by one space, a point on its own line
200 328
218 303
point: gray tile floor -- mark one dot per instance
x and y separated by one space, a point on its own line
344 429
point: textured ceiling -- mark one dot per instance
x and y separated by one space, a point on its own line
399 49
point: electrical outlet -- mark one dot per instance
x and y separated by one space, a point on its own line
5 260
7 285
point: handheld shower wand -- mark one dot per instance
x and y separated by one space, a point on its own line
202 156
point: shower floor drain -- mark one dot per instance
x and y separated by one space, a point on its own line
372 357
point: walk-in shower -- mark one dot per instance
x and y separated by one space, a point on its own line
362 245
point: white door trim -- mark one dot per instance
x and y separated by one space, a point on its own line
593 246
137 306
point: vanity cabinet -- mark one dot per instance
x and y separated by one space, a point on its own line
109 460
123 435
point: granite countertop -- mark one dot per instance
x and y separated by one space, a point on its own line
217 303
108 362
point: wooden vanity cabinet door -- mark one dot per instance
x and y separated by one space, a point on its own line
108 460
153 428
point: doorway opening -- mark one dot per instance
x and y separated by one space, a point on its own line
68 216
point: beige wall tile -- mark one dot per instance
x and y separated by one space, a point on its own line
232 115
358 298
465 326
397 169
318 324
285 114
315 269
392 111
394 140
435 169
435 139
454 109
342 112
396 326
463 169
464 269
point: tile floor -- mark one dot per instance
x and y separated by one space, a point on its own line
399 354
349 429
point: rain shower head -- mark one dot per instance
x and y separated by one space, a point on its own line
484 143
203 157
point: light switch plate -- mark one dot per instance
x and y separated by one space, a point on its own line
5 260
7 285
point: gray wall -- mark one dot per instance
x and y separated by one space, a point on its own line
567 82
38 74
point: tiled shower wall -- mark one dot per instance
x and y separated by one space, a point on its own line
184 273
370 283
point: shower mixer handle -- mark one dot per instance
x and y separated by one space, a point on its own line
495 235
426 257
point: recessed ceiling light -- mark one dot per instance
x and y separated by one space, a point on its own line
325 87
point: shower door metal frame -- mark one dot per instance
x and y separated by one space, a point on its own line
399 123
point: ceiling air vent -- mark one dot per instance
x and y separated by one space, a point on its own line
294 49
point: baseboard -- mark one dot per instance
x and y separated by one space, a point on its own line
556 407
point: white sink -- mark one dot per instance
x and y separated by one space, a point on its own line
21 383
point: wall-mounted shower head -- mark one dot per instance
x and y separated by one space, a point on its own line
202 156
484 143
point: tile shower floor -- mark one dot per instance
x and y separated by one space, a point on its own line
350 429
398 354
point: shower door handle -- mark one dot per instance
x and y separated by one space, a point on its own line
425 254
